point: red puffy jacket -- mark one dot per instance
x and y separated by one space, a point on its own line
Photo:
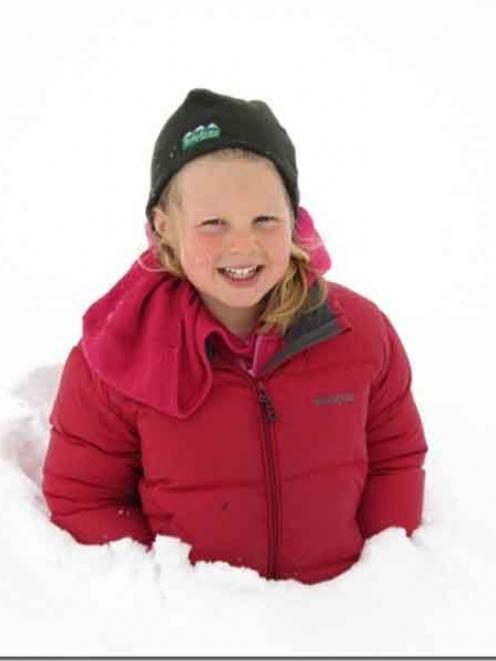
278 454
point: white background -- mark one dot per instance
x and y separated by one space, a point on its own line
391 107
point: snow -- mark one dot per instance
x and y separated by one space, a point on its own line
400 184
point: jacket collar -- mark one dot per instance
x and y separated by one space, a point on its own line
322 323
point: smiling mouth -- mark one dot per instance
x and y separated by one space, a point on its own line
241 278
247 266
241 268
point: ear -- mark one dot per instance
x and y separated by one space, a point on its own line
160 221
165 228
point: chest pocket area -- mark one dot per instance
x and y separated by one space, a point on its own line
323 416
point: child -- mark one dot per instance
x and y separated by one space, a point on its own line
223 392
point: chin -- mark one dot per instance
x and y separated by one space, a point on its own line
240 301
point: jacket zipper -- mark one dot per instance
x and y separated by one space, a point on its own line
269 416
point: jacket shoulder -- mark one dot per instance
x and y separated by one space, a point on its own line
349 297
362 312
372 330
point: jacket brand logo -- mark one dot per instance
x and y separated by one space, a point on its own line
191 138
340 398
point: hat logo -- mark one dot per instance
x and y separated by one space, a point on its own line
200 133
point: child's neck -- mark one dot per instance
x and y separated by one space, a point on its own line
240 321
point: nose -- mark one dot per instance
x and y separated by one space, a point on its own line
242 241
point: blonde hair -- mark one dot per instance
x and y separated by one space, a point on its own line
286 300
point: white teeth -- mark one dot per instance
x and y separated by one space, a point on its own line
240 274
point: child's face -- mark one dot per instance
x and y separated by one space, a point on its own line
236 193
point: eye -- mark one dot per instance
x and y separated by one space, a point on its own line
214 221
217 221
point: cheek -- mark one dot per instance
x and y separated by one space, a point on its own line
278 250
201 252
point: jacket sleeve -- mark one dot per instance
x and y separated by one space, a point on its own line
396 446
93 461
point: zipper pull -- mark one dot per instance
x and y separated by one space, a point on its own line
267 404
